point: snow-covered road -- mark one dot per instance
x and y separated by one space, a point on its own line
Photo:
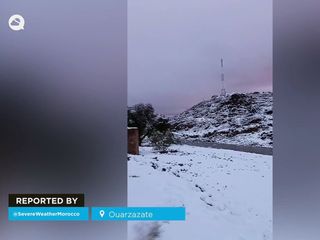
227 194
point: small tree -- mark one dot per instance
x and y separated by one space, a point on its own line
143 117
158 130
161 137
162 124
161 141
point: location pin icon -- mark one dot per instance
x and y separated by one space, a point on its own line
101 213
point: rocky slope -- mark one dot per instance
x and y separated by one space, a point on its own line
243 119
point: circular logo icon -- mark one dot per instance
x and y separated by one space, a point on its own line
16 22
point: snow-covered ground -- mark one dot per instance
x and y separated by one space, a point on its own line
227 194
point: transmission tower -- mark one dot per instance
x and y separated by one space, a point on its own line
223 92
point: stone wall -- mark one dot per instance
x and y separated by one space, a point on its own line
133 140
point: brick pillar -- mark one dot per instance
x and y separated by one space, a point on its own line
133 140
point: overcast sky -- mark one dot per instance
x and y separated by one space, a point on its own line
175 47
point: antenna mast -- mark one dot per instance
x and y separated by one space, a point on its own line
223 92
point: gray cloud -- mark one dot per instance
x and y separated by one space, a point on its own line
175 46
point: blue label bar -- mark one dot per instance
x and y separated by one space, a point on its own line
48 214
138 214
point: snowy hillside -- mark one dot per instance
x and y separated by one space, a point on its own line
243 119
227 194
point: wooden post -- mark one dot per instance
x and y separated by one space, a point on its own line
133 140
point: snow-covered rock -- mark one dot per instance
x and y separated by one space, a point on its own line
243 119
